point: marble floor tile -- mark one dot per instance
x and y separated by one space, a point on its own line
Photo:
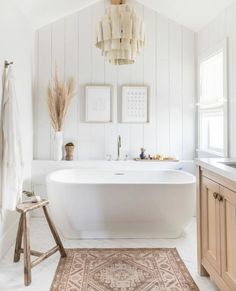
11 274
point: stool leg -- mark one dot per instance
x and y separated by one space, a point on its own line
27 261
54 232
18 240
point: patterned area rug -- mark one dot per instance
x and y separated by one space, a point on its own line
122 270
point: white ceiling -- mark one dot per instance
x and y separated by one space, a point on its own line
194 14
42 12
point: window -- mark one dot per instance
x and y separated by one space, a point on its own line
212 106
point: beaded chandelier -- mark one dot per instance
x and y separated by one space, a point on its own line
120 34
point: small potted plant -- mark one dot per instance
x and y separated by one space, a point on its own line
69 147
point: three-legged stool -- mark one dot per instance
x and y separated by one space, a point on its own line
23 231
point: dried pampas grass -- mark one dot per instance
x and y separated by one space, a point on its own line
60 95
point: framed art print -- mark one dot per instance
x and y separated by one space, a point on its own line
98 103
135 104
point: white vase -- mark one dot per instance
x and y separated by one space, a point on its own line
58 145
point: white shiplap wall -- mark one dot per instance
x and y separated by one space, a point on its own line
167 65
224 26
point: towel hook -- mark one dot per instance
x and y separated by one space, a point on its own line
7 64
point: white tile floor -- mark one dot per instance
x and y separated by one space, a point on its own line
11 275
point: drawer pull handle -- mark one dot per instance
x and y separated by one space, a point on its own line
215 195
220 198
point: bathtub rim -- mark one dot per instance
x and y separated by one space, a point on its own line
192 178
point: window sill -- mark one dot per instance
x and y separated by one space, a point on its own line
209 152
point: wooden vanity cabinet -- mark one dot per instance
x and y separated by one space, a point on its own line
228 236
216 219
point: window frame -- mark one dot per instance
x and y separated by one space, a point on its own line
222 46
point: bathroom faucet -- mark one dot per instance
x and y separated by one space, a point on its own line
118 147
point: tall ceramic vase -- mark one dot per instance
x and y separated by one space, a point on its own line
58 146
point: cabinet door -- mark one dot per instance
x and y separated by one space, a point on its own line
228 236
210 223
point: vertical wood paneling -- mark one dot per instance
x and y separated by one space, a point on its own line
43 129
71 70
137 77
162 86
165 65
85 77
176 100
124 73
98 72
124 77
35 93
58 48
189 96
149 71
111 130
58 57
98 61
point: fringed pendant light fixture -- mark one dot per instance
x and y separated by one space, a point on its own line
120 34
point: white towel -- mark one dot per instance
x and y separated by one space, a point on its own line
12 159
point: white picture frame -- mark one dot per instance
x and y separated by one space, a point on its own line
135 104
98 104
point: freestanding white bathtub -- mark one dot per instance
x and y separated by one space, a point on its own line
121 204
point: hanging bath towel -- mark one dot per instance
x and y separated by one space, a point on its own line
12 159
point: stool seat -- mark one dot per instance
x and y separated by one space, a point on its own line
29 206
23 233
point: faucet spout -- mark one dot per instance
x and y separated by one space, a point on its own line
118 147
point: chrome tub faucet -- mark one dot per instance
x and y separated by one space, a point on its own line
118 147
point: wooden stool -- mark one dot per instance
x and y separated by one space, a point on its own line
23 231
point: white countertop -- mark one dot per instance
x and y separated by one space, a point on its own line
216 165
